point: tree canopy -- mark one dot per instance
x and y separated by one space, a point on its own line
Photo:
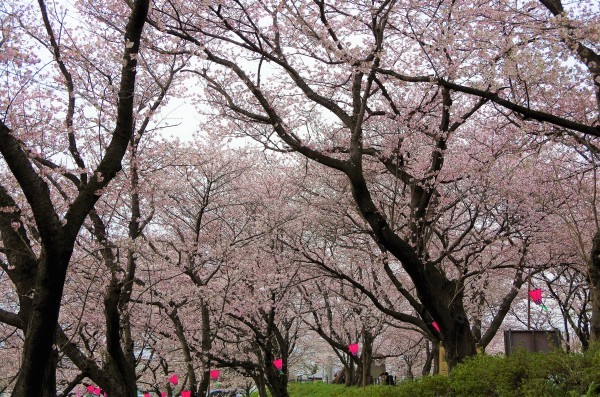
396 173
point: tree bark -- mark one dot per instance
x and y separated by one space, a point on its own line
260 385
44 316
436 358
276 380
430 353
366 359
49 383
206 346
594 280
120 364
58 238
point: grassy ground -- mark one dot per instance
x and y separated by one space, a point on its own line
522 374
326 390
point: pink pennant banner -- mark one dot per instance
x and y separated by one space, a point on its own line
353 348
174 379
163 394
146 394
97 391
536 296
436 326
278 363
214 374
91 388
186 393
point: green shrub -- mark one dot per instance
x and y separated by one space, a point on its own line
524 374
428 386
477 376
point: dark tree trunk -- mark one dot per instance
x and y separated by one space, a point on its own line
277 384
204 385
276 380
365 361
58 238
436 358
350 379
594 280
442 298
409 370
430 352
260 385
187 352
37 350
458 340
49 383
120 363
206 346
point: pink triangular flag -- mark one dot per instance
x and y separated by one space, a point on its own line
436 326
186 393
97 391
163 394
353 348
90 388
214 374
146 394
174 379
278 363
536 296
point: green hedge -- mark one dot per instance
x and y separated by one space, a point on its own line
522 374
430 386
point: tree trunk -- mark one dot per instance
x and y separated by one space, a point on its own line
364 364
120 363
594 280
458 339
206 346
49 383
441 297
340 377
260 385
350 375
44 316
431 351
58 238
409 370
204 385
277 382
436 358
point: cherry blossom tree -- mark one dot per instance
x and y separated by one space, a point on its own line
254 297
205 238
572 183
206 223
58 172
339 316
398 88
567 286
423 161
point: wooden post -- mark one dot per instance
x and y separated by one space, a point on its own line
364 359
444 370
528 301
